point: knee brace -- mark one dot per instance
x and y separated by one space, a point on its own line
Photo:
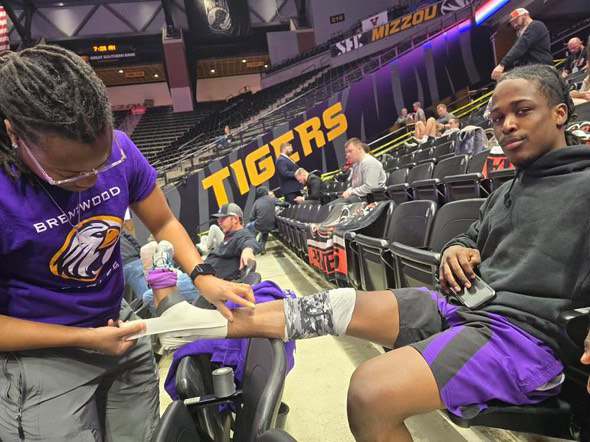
323 313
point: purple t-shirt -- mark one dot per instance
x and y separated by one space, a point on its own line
50 275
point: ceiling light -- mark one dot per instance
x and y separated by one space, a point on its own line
120 71
212 71
156 75
243 60
60 4
265 65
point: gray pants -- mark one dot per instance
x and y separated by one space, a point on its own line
72 394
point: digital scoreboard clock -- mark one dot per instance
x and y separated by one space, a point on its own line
104 48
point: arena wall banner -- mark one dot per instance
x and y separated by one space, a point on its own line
374 29
210 19
443 66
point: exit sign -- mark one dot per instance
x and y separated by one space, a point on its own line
336 19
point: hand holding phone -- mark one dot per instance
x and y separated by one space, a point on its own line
457 268
477 295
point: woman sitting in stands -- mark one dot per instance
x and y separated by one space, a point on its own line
69 373
528 245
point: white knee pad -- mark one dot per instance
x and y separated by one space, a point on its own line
323 313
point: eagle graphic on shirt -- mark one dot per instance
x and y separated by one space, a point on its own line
84 253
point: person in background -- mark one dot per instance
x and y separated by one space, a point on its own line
314 184
453 126
133 274
210 240
533 45
582 95
224 141
237 248
403 120
419 114
263 216
576 59
367 172
286 168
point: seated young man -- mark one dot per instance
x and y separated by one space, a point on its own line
529 245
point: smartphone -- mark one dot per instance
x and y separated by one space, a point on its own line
477 295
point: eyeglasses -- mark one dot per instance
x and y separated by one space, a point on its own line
83 175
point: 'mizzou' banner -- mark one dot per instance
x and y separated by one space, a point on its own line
393 27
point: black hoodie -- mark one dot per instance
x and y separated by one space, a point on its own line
263 210
533 234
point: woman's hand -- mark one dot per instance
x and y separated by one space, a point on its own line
111 340
458 263
217 291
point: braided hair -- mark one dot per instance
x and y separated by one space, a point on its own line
551 85
48 90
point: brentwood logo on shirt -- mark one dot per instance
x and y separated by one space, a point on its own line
84 253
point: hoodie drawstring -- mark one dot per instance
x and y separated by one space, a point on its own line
508 196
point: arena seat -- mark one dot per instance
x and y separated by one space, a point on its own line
256 403
176 425
411 224
392 165
401 193
407 160
377 229
415 267
444 150
499 177
565 416
423 155
300 229
471 184
433 188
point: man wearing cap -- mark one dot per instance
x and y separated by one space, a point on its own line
238 245
531 47
235 250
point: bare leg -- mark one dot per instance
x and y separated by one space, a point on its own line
430 129
419 130
386 390
375 318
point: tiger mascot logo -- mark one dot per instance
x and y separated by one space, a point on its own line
450 6
84 253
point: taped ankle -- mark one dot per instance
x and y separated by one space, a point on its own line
320 314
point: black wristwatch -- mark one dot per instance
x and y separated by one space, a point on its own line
202 269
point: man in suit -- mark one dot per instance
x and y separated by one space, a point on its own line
286 168
315 186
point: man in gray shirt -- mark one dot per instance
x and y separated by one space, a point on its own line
367 172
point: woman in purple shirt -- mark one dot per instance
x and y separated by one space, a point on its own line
66 179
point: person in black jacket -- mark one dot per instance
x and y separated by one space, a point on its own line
315 186
286 168
531 47
262 217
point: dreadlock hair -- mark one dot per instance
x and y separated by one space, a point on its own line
48 89
552 86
